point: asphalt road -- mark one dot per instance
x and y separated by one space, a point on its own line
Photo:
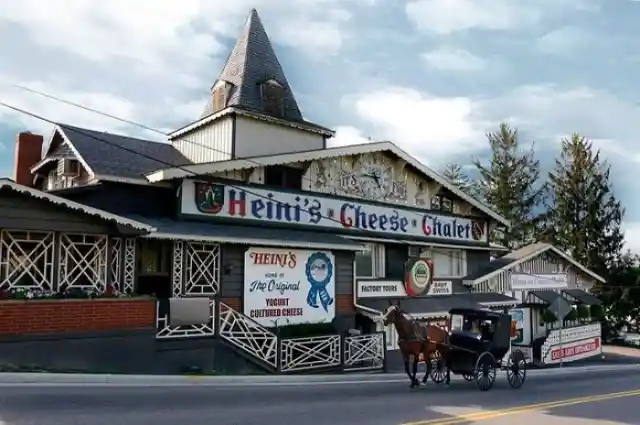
377 403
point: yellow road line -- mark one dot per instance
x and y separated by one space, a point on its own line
481 416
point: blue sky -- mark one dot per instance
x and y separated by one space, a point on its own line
430 75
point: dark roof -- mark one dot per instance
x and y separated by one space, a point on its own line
241 233
583 297
492 297
421 305
474 312
547 296
102 152
251 63
507 259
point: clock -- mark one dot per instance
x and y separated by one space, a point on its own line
374 180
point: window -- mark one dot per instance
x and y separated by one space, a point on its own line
446 262
365 262
442 203
272 98
370 262
154 257
283 177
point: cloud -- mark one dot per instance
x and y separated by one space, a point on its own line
347 135
562 41
448 16
452 59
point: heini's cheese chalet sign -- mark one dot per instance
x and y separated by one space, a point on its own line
250 203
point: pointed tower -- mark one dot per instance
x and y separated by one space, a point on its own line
252 90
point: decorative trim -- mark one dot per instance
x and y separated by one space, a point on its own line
129 265
57 200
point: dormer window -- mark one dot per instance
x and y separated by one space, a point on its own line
272 94
220 95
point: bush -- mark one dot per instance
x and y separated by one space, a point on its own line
582 312
548 316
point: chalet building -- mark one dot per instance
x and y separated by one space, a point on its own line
245 242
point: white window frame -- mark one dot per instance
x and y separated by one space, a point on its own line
428 252
378 259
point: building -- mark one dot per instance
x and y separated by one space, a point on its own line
262 245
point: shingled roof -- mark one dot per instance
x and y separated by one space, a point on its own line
112 155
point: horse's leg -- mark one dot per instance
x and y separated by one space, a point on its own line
416 360
448 363
427 357
405 358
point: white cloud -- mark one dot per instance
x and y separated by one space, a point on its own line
347 135
563 41
632 236
449 16
429 127
452 59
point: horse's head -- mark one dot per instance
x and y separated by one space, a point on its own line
391 313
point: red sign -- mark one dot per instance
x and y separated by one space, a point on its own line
575 350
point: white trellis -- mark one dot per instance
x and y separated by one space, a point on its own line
115 263
27 260
202 275
129 265
310 353
364 351
188 331
177 271
83 261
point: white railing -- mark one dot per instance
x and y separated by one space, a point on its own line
164 331
248 335
316 352
364 352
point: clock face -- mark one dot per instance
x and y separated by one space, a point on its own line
374 180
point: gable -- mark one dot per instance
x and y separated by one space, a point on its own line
412 166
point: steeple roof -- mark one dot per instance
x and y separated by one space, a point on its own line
251 63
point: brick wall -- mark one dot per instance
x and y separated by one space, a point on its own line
60 316
344 304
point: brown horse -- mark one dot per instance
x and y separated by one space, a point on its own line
415 339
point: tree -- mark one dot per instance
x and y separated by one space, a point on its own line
583 215
510 184
456 174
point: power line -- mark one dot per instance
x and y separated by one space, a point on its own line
135 152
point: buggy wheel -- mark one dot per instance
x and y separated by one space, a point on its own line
485 371
468 376
516 369
438 367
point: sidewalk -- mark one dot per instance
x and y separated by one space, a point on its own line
44 379
632 353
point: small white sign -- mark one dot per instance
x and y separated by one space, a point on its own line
395 288
286 287
440 287
380 289
539 281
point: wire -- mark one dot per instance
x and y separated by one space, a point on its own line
133 151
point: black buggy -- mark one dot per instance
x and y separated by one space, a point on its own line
478 353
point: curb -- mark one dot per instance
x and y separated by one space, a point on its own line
257 380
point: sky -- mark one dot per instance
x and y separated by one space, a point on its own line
430 75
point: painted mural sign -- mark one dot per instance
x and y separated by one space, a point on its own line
517 316
286 287
256 204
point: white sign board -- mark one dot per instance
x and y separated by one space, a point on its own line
286 287
395 288
326 212
522 281
577 350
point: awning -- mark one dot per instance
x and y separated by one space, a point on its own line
583 297
420 307
493 299
246 235
547 297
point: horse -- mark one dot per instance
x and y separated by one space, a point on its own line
415 339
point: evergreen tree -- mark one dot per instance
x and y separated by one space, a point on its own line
584 217
456 174
509 182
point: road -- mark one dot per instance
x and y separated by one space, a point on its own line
373 403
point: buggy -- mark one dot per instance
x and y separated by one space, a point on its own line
478 353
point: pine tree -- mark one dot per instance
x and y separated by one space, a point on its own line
510 184
458 177
584 217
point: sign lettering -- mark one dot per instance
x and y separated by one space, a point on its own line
248 203
293 285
